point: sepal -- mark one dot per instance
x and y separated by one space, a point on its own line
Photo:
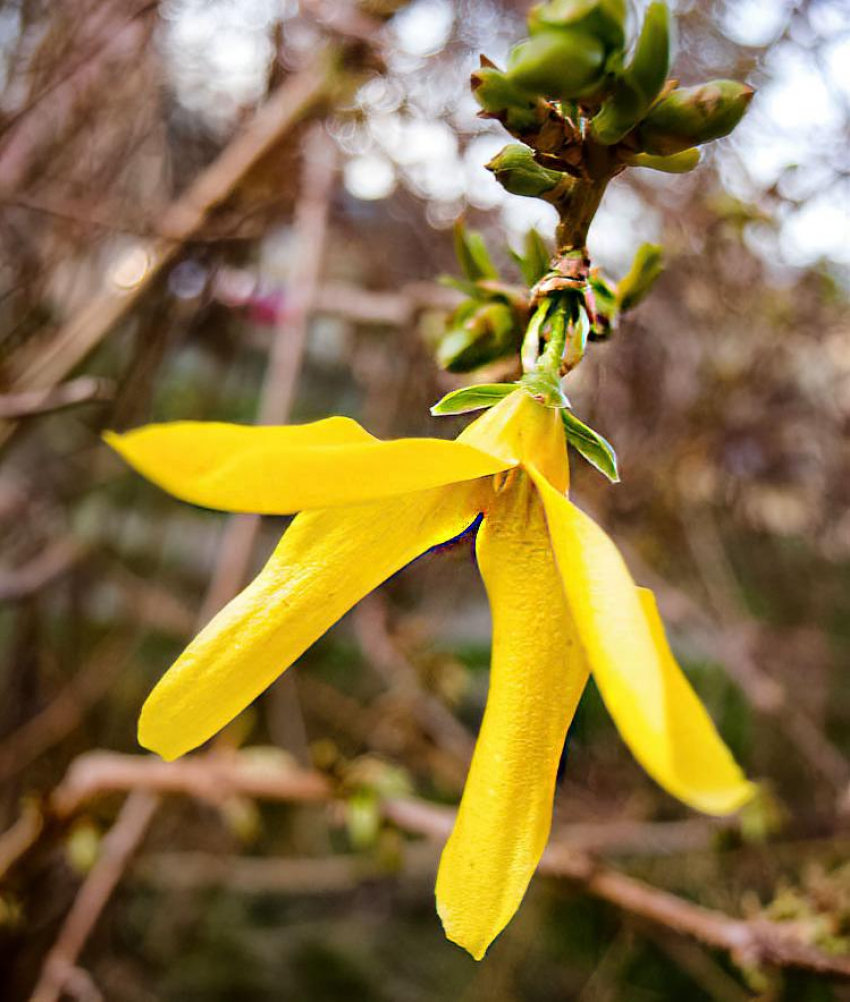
472 398
597 450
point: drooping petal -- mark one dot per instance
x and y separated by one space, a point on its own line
325 563
538 674
280 470
652 703
519 430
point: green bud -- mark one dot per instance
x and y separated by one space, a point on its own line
646 268
487 335
641 81
676 163
520 174
499 98
606 19
694 115
558 64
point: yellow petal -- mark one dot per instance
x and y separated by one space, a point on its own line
536 680
325 563
520 430
652 703
279 470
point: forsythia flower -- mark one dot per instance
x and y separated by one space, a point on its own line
563 605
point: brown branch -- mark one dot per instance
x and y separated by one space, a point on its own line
117 849
84 331
54 561
215 776
86 389
60 717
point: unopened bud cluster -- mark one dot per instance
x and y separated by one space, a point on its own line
582 107
585 103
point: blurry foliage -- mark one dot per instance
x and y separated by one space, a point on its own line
727 396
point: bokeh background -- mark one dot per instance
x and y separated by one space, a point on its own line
168 251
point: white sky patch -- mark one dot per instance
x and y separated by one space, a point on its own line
423 27
519 215
369 177
754 22
622 223
820 228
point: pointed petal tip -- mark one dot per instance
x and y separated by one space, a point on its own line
475 945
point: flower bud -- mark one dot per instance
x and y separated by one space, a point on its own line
694 115
519 173
487 335
606 19
641 81
558 64
502 99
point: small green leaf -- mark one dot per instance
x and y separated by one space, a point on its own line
595 449
534 262
676 163
472 254
647 266
459 285
472 398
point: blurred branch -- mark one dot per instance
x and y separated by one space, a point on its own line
401 677
85 330
215 777
55 560
86 389
117 849
60 717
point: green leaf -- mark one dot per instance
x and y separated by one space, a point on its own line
676 163
472 254
472 398
647 266
460 285
535 260
595 449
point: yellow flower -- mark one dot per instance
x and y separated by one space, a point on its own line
563 605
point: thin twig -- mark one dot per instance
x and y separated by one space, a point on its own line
60 717
86 389
215 777
751 942
117 849
54 561
84 331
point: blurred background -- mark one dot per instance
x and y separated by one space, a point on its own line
237 211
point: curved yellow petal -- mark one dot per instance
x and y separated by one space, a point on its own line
325 563
279 470
520 430
538 674
652 703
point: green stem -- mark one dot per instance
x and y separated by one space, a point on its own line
577 204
